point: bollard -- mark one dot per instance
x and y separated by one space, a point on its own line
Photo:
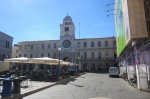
16 85
7 87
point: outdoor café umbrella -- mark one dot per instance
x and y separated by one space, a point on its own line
44 60
18 60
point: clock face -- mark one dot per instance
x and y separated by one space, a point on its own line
66 43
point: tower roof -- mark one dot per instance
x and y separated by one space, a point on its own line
67 18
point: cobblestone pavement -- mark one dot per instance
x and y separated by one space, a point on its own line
91 86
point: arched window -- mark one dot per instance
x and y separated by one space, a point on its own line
85 55
99 44
84 44
92 44
106 43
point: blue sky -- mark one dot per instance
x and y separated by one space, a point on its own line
32 20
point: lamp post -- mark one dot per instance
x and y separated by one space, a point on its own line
59 69
79 63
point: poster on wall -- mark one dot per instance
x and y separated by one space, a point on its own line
120 28
122 25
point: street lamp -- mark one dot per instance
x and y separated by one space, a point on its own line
110 4
59 69
110 10
110 14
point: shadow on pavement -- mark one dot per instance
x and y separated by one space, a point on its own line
67 81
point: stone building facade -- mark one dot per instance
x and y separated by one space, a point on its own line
90 53
5 46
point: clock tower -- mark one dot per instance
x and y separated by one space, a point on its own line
67 37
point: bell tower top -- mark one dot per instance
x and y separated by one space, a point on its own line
67 28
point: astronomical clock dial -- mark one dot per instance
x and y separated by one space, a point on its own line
66 43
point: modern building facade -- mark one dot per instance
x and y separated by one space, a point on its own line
91 53
132 19
5 46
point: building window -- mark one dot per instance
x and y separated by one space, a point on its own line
7 44
78 45
55 45
42 46
99 55
92 44
19 55
42 55
84 44
31 46
49 55
66 28
25 47
54 55
106 43
20 47
85 55
16 51
99 44
115 55
0 56
25 55
78 54
114 43
49 46
30 55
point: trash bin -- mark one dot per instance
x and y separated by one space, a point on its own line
7 87
16 85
